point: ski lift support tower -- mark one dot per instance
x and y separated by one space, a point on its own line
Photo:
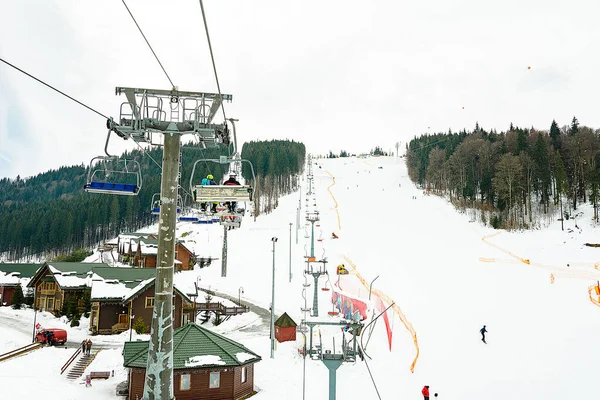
170 114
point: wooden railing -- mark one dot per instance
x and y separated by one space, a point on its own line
120 327
219 308
70 360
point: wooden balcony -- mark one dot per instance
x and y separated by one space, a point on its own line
47 291
221 309
120 327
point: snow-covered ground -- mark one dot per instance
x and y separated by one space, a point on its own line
529 288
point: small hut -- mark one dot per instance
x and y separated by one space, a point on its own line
285 328
206 365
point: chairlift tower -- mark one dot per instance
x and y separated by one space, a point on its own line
316 274
331 359
309 175
312 217
146 114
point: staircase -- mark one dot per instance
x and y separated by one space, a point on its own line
77 370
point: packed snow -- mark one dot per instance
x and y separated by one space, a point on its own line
448 277
204 360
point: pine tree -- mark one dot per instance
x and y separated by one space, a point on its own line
17 298
139 327
574 129
542 170
560 175
555 135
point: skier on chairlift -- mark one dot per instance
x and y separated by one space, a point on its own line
231 205
206 182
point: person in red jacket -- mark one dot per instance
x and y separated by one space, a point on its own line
231 205
425 392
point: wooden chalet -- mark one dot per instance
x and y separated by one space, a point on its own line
146 252
206 365
13 275
54 283
130 291
127 244
140 250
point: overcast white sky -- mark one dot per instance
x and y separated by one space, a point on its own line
333 74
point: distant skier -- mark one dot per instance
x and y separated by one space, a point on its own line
483 332
425 392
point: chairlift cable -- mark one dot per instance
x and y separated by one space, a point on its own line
212 57
148 43
53 88
370 374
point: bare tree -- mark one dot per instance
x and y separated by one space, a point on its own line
507 181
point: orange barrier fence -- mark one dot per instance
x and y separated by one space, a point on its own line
396 309
334 200
594 293
567 271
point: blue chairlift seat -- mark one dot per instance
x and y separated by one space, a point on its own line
189 219
111 188
156 210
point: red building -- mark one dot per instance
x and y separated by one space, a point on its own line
285 328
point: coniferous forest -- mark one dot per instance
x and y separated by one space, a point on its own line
515 179
50 214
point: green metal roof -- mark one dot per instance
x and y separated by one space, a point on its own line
191 341
153 242
284 321
131 277
24 270
78 267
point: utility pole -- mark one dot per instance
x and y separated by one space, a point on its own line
290 251
274 240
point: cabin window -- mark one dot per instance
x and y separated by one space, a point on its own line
186 382
149 302
244 377
50 303
215 380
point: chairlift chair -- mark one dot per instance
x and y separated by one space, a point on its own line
98 181
104 167
223 193
155 209
231 220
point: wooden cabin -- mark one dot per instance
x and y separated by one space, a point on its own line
206 365
146 253
54 283
13 275
130 291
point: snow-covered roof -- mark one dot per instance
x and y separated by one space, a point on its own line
197 361
148 248
109 289
132 292
10 279
72 279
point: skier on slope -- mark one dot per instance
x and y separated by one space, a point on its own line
425 392
483 331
